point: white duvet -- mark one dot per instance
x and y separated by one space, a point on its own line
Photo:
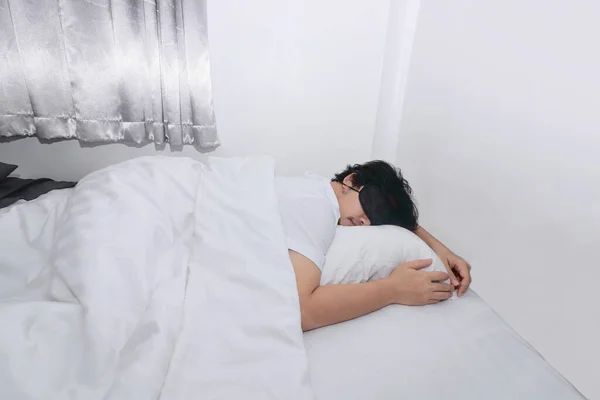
158 278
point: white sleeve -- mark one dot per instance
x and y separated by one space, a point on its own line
309 226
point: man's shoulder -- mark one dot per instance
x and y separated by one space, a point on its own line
309 212
307 191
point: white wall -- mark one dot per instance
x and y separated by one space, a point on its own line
500 138
295 79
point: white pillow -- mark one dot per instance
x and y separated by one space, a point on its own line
367 253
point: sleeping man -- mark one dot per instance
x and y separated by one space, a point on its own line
374 193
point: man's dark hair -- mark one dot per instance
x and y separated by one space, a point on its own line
387 187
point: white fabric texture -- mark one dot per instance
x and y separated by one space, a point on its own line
152 279
310 212
460 350
367 253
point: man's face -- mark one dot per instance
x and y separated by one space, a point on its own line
351 211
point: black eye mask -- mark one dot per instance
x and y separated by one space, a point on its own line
378 205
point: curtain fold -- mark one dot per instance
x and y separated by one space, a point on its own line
134 71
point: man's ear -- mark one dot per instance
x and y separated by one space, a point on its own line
349 180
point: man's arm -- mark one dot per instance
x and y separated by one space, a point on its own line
458 269
437 246
326 305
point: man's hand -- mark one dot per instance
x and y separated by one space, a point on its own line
412 287
459 271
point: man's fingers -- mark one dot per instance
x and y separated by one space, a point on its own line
440 296
437 276
432 301
465 275
453 278
451 275
464 285
418 264
442 287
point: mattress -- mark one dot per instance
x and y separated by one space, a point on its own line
453 350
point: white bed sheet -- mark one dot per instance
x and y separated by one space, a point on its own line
453 350
459 350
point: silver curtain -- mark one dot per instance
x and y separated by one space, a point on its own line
106 71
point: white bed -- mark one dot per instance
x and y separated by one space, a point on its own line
454 350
